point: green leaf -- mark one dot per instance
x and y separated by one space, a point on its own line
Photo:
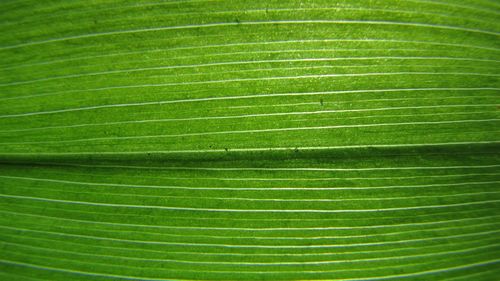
249 140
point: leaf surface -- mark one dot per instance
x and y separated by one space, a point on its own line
249 140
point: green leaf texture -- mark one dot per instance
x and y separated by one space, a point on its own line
249 140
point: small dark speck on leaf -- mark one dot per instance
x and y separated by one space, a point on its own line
321 102
226 149
296 150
